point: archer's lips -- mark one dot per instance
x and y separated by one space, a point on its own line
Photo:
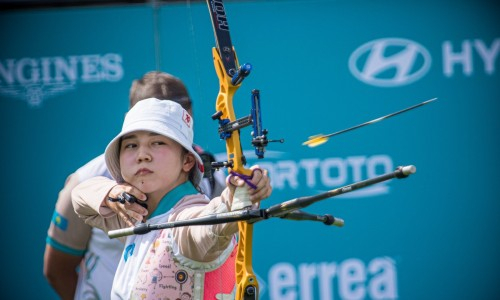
143 171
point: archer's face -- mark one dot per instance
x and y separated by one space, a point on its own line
154 163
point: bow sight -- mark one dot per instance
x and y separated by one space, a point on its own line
226 127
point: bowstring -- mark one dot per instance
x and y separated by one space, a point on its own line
156 33
192 32
200 90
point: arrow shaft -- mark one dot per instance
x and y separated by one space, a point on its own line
381 118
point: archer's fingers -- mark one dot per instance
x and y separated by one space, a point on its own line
128 212
128 195
263 184
138 216
233 181
259 179
117 191
126 218
135 210
261 194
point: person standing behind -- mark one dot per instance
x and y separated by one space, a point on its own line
72 244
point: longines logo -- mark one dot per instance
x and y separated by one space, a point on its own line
36 79
390 62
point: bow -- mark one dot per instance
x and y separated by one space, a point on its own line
230 78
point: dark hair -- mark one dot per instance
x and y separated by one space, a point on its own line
162 86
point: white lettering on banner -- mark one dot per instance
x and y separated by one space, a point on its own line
324 173
464 57
372 61
330 172
488 55
354 280
36 79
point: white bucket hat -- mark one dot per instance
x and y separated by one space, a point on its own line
163 117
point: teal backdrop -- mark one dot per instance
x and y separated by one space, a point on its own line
321 66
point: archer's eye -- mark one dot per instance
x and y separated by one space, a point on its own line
129 145
159 143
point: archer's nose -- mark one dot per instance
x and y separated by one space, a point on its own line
143 156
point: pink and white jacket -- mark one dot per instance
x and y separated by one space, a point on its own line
192 262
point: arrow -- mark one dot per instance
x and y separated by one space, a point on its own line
320 139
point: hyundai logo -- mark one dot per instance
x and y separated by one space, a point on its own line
390 62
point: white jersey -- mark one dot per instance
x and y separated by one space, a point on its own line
103 254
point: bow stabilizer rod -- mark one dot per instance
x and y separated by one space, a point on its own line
286 207
220 218
298 215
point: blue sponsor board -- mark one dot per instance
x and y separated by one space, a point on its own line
321 66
